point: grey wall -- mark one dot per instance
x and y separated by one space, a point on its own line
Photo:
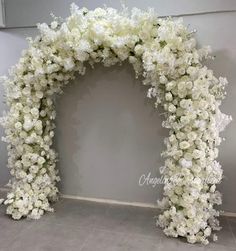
28 12
2 14
108 133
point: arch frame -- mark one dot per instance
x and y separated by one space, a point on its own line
161 50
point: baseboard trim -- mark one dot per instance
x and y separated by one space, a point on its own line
228 214
109 201
4 189
134 204
117 202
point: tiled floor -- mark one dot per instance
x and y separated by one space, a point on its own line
86 226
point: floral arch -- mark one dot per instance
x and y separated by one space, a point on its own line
164 53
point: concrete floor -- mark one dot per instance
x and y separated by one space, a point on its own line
87 226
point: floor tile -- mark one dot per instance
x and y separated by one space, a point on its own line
10 229
232 225
48 237
103 240
75 212
225 236
140 243
225 241
177 244
131 220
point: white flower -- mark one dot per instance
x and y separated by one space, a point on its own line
34 169
184 145
164 52
68 64
38 125
191 238
192 136
171 108
151 92
163 79
35 112
28 124
168 96
41 160
222 120
18 126
186 103
39 94
197 154
181 231
185 163
207 231
54 24
215 238
138 50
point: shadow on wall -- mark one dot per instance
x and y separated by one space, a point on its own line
109 134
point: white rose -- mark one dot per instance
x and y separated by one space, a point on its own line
185 163
170 85
54 24
38 203
192 71
192 136
39 94
188 156
168 96
43 113
34 169
171 108
18 126
82 55
197 154
181 231
180 135
68 64
35 112
163 79
38 125
41 160
184 145
207 231
186 103
138 50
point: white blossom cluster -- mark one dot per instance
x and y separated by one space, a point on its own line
164 53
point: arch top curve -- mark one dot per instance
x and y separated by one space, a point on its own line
165 53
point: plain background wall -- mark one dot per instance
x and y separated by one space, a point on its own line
108 133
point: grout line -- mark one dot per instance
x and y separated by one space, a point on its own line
164 16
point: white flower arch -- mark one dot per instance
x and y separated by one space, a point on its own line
164 52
